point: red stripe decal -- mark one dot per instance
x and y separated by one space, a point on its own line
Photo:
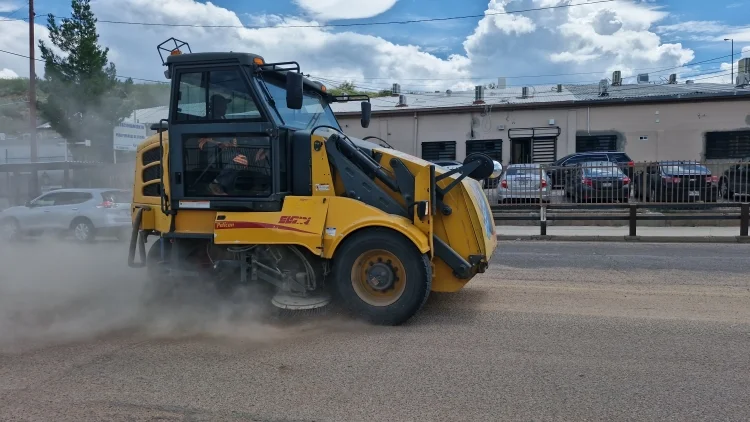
223 225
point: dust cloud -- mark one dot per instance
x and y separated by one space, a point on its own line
58 291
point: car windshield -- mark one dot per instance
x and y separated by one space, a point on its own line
117 196
315 110
684 169
601 169
523 171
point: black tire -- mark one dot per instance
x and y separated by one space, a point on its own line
408 296
83 230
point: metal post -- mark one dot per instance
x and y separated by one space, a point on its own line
633 219
32 101
543 220
744 218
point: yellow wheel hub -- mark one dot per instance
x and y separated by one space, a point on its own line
378 277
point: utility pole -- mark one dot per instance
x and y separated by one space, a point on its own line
732 61
32 102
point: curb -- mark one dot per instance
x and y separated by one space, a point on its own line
642 239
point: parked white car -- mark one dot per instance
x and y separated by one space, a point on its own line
85 213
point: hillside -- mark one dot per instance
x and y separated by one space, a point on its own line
14 111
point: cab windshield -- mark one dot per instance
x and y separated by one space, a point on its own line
315 110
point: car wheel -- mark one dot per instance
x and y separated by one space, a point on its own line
83 230
10 230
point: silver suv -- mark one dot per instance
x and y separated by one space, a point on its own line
83 212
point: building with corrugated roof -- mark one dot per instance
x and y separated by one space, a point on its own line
692 121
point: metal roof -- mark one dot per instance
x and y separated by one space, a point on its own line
548 95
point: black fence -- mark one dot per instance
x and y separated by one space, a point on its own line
665 182
591 192
630 213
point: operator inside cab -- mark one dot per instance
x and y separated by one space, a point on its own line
231 157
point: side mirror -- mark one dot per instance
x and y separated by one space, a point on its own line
497 171
486 166
294 89
366 113
28 204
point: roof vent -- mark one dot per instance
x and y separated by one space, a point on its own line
559 87
479 94
743 66
448 92
501 83
401 101
689 81
525 92
673 78
603 88
616 78
395 90
643 78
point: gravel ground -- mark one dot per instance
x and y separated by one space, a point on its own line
554 331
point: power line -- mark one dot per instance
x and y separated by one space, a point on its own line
118 76
339 25
535 76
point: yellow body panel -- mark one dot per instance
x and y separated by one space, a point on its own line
322 221
301 222
346 215
316 223
469 229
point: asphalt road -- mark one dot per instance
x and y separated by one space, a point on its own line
554 331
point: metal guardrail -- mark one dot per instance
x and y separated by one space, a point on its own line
629 213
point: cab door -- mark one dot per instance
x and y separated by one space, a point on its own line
220 150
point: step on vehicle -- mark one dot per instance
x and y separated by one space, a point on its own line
254 182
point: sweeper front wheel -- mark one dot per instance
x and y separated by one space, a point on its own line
381 277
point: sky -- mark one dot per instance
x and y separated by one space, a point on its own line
580 41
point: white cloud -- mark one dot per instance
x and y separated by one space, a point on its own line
565 40
7 7
704 27
7 74
345 9
14 37
598 37
320 51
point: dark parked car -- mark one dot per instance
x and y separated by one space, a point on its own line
597 181
676 181
735 181
557 169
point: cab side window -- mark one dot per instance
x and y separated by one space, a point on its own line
215 95
234 166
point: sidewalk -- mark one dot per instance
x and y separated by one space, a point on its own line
621 233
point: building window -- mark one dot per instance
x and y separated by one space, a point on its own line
432 151
493 148
598 143
727 145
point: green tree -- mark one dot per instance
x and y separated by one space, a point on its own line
83 98
348 88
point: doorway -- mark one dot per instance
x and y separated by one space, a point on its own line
520 151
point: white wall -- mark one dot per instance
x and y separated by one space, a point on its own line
673 131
